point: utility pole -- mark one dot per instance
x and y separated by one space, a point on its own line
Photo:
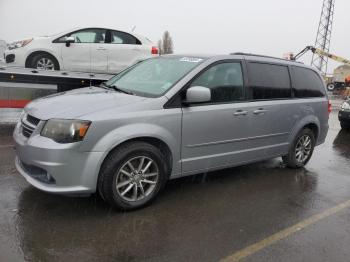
323 39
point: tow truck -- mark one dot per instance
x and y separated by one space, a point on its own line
336 83
18 86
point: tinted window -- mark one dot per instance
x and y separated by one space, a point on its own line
224 80
118 37
87 36
307 83
269 81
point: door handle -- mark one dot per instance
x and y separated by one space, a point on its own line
101 49
259 111
240 113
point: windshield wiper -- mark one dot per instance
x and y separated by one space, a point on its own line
121 90
104 85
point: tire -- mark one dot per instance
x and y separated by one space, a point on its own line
344 125
116 176
298 160
44 61
331 87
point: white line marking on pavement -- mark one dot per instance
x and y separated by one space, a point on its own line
250 250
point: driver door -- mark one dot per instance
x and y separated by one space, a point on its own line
215 134
78 56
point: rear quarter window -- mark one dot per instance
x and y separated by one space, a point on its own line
307 83
118 37
269 81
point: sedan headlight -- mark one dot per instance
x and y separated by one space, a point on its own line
65 131
19 44
345 106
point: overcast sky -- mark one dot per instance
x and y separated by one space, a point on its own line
270 27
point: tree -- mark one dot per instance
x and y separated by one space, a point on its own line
165 45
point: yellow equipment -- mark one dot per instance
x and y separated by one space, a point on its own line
335 84
322 53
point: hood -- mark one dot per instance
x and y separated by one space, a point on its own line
78 103
42 37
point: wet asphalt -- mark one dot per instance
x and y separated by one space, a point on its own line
206 217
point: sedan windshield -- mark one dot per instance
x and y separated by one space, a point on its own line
153 77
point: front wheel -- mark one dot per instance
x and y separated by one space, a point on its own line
301 149
331 87
133 175
44 62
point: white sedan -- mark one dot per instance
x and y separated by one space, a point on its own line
85 49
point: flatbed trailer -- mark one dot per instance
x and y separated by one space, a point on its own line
18 86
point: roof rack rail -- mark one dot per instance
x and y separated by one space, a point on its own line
265 56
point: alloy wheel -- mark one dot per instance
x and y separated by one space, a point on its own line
137 178
45 64
303 148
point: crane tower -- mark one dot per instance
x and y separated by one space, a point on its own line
323 39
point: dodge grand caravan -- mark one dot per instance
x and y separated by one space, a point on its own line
168 117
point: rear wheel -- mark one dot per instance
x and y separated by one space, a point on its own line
44 62
301 149
133 175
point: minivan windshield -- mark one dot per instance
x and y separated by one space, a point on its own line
153 77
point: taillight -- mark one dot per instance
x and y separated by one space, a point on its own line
154 50
329 107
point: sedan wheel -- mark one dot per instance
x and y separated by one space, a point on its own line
45 63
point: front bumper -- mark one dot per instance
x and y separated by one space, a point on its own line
344 116
15 57
53 167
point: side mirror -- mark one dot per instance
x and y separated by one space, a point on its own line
69 40
197 94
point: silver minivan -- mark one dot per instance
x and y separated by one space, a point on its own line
169 117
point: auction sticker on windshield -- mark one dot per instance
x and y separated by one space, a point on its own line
191 59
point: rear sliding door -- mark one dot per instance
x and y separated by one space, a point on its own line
273 112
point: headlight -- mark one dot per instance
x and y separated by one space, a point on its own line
22 116
65 131
345 106
19 44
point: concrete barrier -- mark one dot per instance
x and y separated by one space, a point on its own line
2 49
9 115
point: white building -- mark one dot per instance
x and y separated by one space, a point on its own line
341 72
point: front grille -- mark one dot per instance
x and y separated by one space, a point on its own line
29 124
33 120
27 130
